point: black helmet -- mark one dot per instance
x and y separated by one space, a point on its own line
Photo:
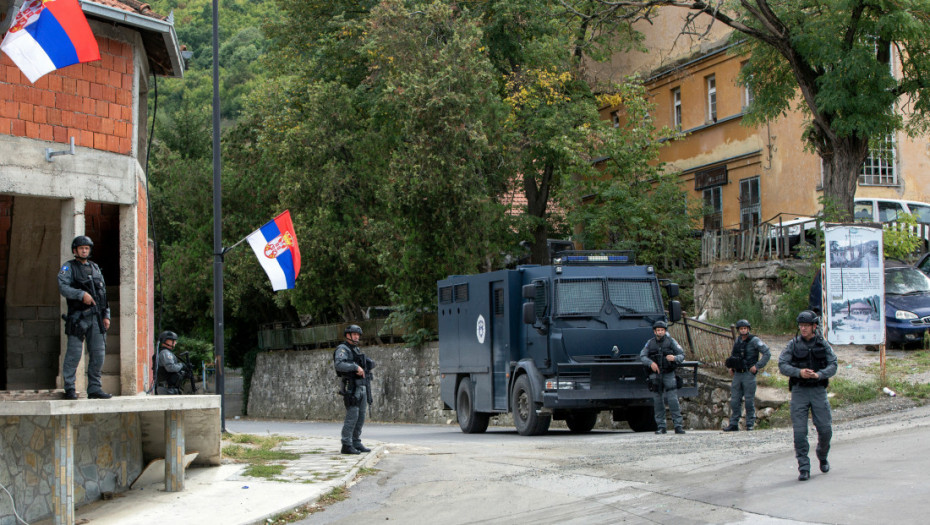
743 322
353 329
164 336
808 317
81 240
660 324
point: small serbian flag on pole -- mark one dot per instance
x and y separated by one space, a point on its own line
275 245
47 35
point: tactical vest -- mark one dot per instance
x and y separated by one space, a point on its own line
747 358
657 350
87 277
357 358
808 354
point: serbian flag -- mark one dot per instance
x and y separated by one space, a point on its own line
275 245
47 35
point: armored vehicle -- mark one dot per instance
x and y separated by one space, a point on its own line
553 342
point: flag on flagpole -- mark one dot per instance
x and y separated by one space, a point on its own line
47 35
275 245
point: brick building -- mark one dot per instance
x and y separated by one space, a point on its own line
99 191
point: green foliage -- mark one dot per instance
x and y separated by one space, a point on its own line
199 351
900 241
846 392
741 302
794 298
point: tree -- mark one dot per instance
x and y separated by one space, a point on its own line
838 55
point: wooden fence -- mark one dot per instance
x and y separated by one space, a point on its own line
774 241
705 342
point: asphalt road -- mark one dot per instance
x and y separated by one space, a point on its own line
436 474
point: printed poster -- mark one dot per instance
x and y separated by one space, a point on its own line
855 285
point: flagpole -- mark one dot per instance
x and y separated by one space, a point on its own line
217 225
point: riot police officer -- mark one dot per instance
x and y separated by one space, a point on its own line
662 355
354 372
81 283
749 355
171 371
809 362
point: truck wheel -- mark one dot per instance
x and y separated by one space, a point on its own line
525 418
581 421
470 421
641 419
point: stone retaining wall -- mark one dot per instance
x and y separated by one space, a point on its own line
107 458
302 385
713 283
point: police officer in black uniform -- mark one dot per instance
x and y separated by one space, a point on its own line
354 372
81 283
809 362
172 372
662 355
749 355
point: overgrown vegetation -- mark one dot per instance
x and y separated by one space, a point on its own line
258 452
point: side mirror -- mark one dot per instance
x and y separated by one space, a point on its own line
672 289
529 291
674 311
529 312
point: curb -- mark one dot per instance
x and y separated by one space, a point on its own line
345 481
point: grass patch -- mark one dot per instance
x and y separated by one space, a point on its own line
780 418
847 392
773 381
250 454
913 390
264 471
914 363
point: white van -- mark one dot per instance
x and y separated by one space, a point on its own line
888 210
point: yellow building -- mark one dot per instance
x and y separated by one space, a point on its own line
744 175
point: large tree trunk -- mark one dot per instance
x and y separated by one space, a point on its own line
842 163
537 200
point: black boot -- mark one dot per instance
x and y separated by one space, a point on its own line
804 475
346 449
70 395
731 428
361 448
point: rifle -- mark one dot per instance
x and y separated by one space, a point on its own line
185 358
96 309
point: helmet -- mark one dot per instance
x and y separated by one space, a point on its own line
808 317
353 329
743 322
81 240
660 324
164 336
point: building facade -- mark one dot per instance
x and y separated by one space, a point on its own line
99 190
743 174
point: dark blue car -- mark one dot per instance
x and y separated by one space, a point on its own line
907 303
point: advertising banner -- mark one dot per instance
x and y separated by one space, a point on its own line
855 285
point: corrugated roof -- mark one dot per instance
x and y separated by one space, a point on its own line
133 6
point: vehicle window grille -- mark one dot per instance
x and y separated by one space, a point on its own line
579 297
540 300
445 295
461 293
635 296
499 302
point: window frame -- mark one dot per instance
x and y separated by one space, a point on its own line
752 209
676 108
710 83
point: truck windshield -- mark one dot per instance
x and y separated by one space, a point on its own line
634 296
579 297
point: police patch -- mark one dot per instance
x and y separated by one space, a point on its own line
64 269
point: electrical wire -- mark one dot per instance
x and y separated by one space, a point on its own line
13 503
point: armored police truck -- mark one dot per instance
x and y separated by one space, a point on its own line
553 342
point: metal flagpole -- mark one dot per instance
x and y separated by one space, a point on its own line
217 225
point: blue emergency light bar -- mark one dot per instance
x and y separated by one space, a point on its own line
579 257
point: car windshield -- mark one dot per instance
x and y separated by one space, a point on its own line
903 281
581 297
634 297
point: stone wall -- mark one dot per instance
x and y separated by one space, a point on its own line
302 385
107 458
713 283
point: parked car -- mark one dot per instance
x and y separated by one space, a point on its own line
907 303
924 263
888 210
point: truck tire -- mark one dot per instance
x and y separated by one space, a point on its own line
641 419
525 418
581 421
471 422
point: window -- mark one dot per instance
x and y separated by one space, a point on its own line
750 210
879 167
676 108
579 297
713 209
863 211
712 99
634 297
889 211
920 211
747 93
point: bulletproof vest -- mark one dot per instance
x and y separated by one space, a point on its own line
808 354
657 350
357 358
87 277
742 352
